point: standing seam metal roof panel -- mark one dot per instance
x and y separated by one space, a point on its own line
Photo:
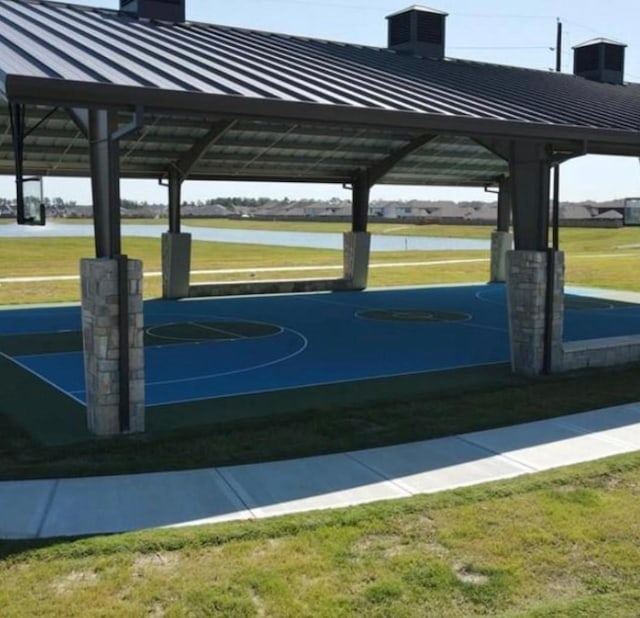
387 95
100 53
148 41
415 96
262 65
141 69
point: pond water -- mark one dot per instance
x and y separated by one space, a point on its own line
316 240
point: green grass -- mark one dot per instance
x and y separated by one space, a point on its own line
603 258
295 423
29 257
562 543
403 229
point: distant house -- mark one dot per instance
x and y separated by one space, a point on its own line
327 209
609 214
452 211
486 212
393 210
575 211
206 210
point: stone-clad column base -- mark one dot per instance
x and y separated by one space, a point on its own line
356 259
100 332
176 265
501 243
527 291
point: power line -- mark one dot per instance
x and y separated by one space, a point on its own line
504 16
592 30
546 47
368 7
511 16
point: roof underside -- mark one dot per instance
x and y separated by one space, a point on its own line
256 150
274 107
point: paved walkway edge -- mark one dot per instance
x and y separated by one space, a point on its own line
98 505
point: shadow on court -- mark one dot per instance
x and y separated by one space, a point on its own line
224 359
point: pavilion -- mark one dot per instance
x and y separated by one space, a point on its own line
141 92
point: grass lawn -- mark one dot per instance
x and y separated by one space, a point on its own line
557 544
595 257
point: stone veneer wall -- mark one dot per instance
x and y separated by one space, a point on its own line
606 352
100 331
356 267
176 265
501 244
280 286
357 246
527 290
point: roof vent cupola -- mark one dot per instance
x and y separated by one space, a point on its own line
418 31
164 10
601 60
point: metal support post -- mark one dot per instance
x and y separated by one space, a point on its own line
530 171
360 201
17 128
504 205
175 186
105 180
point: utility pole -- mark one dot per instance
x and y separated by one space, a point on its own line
552 251
556 169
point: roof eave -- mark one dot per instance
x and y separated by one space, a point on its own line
78 94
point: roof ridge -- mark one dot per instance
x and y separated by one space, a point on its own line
295 37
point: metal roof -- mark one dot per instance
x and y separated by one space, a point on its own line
295 108
418 7
598 41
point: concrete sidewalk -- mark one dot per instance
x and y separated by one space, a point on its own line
86 506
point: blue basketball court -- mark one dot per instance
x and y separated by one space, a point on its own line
198 350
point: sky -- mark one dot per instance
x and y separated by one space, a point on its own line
501 31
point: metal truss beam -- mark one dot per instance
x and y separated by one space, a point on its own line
379 169
189 159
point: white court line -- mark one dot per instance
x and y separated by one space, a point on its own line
300 350
184 340
480 295
305 344
360 308
150 331
468 322
483 326
328 383
218 330
60 353
45 380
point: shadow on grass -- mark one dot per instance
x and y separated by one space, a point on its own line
288 425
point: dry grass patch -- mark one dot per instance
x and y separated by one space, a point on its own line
563 543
